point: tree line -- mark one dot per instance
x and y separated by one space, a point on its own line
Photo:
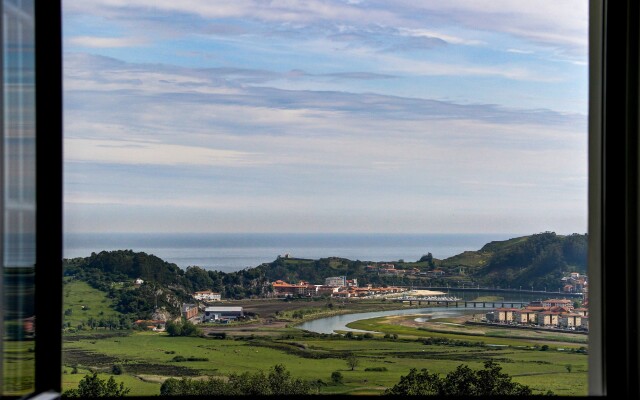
463 381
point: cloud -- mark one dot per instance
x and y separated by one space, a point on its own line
247 145
559 26
272 11
562 26
136 152
220 100
105 42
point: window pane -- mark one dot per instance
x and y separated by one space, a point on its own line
366 130
18 198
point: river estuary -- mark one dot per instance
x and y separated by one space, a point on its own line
339 322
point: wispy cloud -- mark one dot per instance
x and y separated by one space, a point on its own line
325 114
106 42
135 152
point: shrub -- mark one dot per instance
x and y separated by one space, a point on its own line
336 377
197 359
218 335
464 381
92 386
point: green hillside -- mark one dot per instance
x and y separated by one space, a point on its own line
539 260
86 306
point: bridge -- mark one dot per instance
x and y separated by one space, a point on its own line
455 302
497 289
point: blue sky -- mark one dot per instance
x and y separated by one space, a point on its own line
325 116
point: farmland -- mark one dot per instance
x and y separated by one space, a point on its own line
543 361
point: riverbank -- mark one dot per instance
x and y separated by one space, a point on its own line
461 327
148 358
276 315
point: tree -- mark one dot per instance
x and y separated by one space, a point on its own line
92 386
277 382
184 328
416 383
336 377
173 329
117 369
352 362
463 381
428 258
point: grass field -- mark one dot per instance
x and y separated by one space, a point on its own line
488 335
85 302
18 367
147 360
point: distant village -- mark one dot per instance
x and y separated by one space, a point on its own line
551 313
559 313
335 286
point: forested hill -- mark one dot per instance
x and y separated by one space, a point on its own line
539 260
166 284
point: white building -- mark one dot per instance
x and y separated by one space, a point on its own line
222 313
207 295
336 281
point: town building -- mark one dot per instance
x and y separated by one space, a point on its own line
505 315
189 311
570 320
564 303
549 318
546 313
284 289
526 316
222 314
337 281
207 295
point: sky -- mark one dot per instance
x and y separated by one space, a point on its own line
325 116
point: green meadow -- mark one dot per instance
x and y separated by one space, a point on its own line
490 335
149 357
83 303
18 361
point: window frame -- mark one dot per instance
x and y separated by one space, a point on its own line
49 195
614 212
614 252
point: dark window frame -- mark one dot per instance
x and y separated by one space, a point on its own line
613 198
614 213
49 195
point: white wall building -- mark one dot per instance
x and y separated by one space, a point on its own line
222 313
336 281
207 295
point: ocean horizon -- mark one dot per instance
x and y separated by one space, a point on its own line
230 252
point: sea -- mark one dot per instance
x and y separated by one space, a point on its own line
228 252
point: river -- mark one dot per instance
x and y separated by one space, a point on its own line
339 322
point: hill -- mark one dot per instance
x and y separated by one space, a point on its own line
165 285
539 260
